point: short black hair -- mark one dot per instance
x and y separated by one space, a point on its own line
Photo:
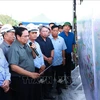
60 26
19 30
20 24
54 26
51 23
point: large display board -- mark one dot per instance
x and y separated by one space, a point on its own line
88 30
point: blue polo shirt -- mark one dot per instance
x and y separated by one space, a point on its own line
59 46
69 40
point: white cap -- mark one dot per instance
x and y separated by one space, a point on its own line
7 28
32 28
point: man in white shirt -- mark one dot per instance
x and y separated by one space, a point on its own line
38 61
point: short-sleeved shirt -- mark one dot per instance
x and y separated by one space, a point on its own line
59 46
46 47
21 55
5 47
69 40
38 61
4 69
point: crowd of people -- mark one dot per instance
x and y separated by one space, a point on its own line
30 62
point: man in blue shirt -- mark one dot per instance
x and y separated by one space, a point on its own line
59 57
4 77
69 38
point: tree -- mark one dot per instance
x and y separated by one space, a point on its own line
5 19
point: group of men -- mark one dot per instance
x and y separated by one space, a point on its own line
27 71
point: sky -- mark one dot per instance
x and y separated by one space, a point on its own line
57 11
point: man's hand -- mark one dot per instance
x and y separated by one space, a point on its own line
42 68
49 60
5 85
63 62
33 45
34 75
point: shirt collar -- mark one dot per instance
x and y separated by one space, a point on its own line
53 38
65 33
42 38
6 44
30 41
20 45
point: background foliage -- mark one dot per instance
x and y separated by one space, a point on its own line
5 19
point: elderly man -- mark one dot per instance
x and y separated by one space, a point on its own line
4 77
48 53
8 34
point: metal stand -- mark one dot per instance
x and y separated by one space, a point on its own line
78 77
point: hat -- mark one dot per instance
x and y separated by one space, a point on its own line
31 28
6 28
67 23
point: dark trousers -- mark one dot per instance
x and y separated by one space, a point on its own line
68 65
39 88
23 88
58 72
4 96
47 86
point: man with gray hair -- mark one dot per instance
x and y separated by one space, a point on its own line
8 34
48 53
